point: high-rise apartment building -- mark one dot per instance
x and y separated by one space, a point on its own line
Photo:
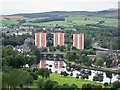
78 41
40 40
58 39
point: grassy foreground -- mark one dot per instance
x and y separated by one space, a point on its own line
70 80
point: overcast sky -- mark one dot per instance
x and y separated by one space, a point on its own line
28 6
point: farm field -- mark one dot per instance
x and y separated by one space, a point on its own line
10 20
79 20
69 21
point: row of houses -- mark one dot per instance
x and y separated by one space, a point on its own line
20 30
14 31
25 47
58 28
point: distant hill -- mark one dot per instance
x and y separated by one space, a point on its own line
110 13
54 13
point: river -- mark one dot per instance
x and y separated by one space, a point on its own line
51 65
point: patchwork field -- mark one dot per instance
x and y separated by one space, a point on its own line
69 21
9 20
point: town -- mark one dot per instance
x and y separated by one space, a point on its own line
64 46
63 53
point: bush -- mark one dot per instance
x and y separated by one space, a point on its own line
64 73
106 84
86 87
84 76
98 78
116 84
97 87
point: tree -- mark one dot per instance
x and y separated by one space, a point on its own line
37 54
68 47
48 84
28 79
14 41
114 43
15 60
61 73
109 75
56 87
58 46
16 77
62 48
19 61
40 83
65 86
88 41
86 87
47 73
74 48
43 49
106 84
41 72
77 77
85 60
20 77
71 56
6 83
109 62
44 72
71 74
84 76
116 84
6 68
65 73
34 75
99 62
11 61
97 87
30 60
4 61
8 50
52 49
73 87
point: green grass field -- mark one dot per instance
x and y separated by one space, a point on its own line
70 80
8 22
79 20
69 21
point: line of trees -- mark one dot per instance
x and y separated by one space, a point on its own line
79 58
54 85
15 59
13 40
16 78
48 19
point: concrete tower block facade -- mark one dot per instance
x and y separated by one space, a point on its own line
58 39
40 40
78 41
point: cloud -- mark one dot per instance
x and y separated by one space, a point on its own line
22 6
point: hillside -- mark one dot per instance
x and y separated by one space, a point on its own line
63 18
110 13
